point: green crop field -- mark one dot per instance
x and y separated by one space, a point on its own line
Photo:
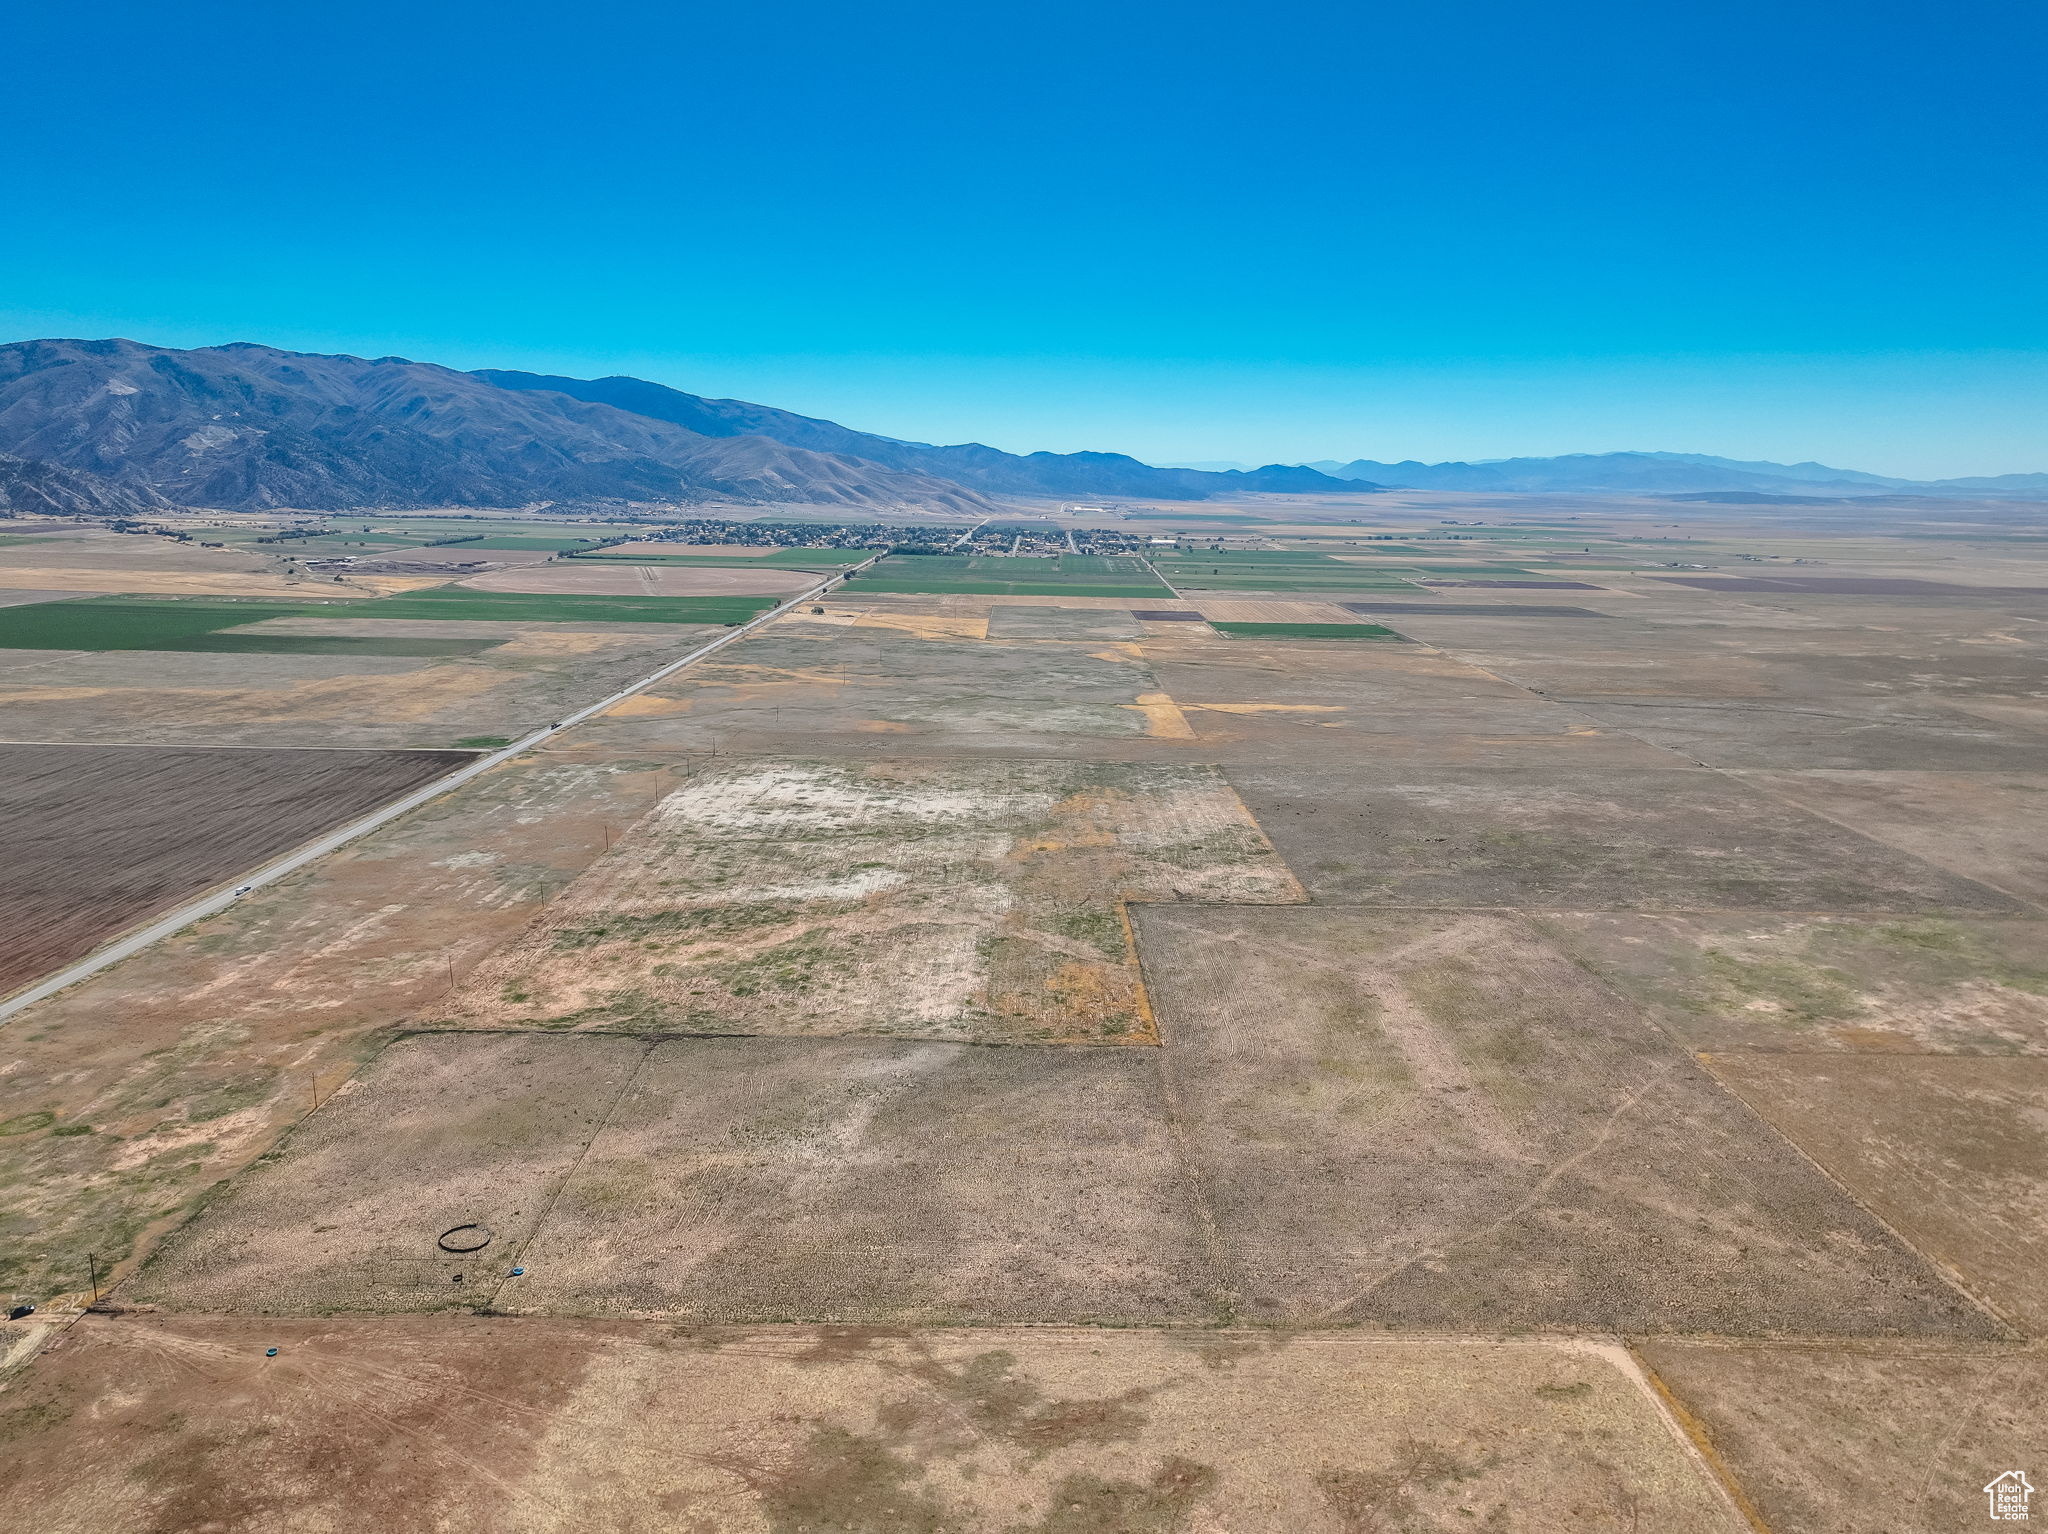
234 642
197 623
140 623
1304 630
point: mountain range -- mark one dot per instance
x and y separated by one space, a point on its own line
247 427
117 428
981 468
1664 473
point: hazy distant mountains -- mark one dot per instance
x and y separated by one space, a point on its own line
250 427
1664 474
982 468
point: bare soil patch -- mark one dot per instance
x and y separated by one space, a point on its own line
1594 839
418 1425
948 900
1953 1152
97 838
1754 981
1438 1120
1846 1439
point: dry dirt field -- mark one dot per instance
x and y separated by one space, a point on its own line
979 900
721 1179
1812 984
97 838
1034 1065
419 1426
1441 1122
1671 839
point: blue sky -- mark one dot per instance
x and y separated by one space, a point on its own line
1187 230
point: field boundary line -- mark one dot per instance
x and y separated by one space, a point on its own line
212 904
1695 1437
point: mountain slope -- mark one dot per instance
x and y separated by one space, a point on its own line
250 427
972 464
31 487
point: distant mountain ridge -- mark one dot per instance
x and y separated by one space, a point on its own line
971 464
246 427
1662 474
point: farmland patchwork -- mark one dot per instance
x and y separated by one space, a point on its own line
1551 1041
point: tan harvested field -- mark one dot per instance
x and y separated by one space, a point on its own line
590 578
1226 610
96 839
100 580
1017 621
418 1426
714 550
977 900
1004 1065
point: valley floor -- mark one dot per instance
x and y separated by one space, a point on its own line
1574 1057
